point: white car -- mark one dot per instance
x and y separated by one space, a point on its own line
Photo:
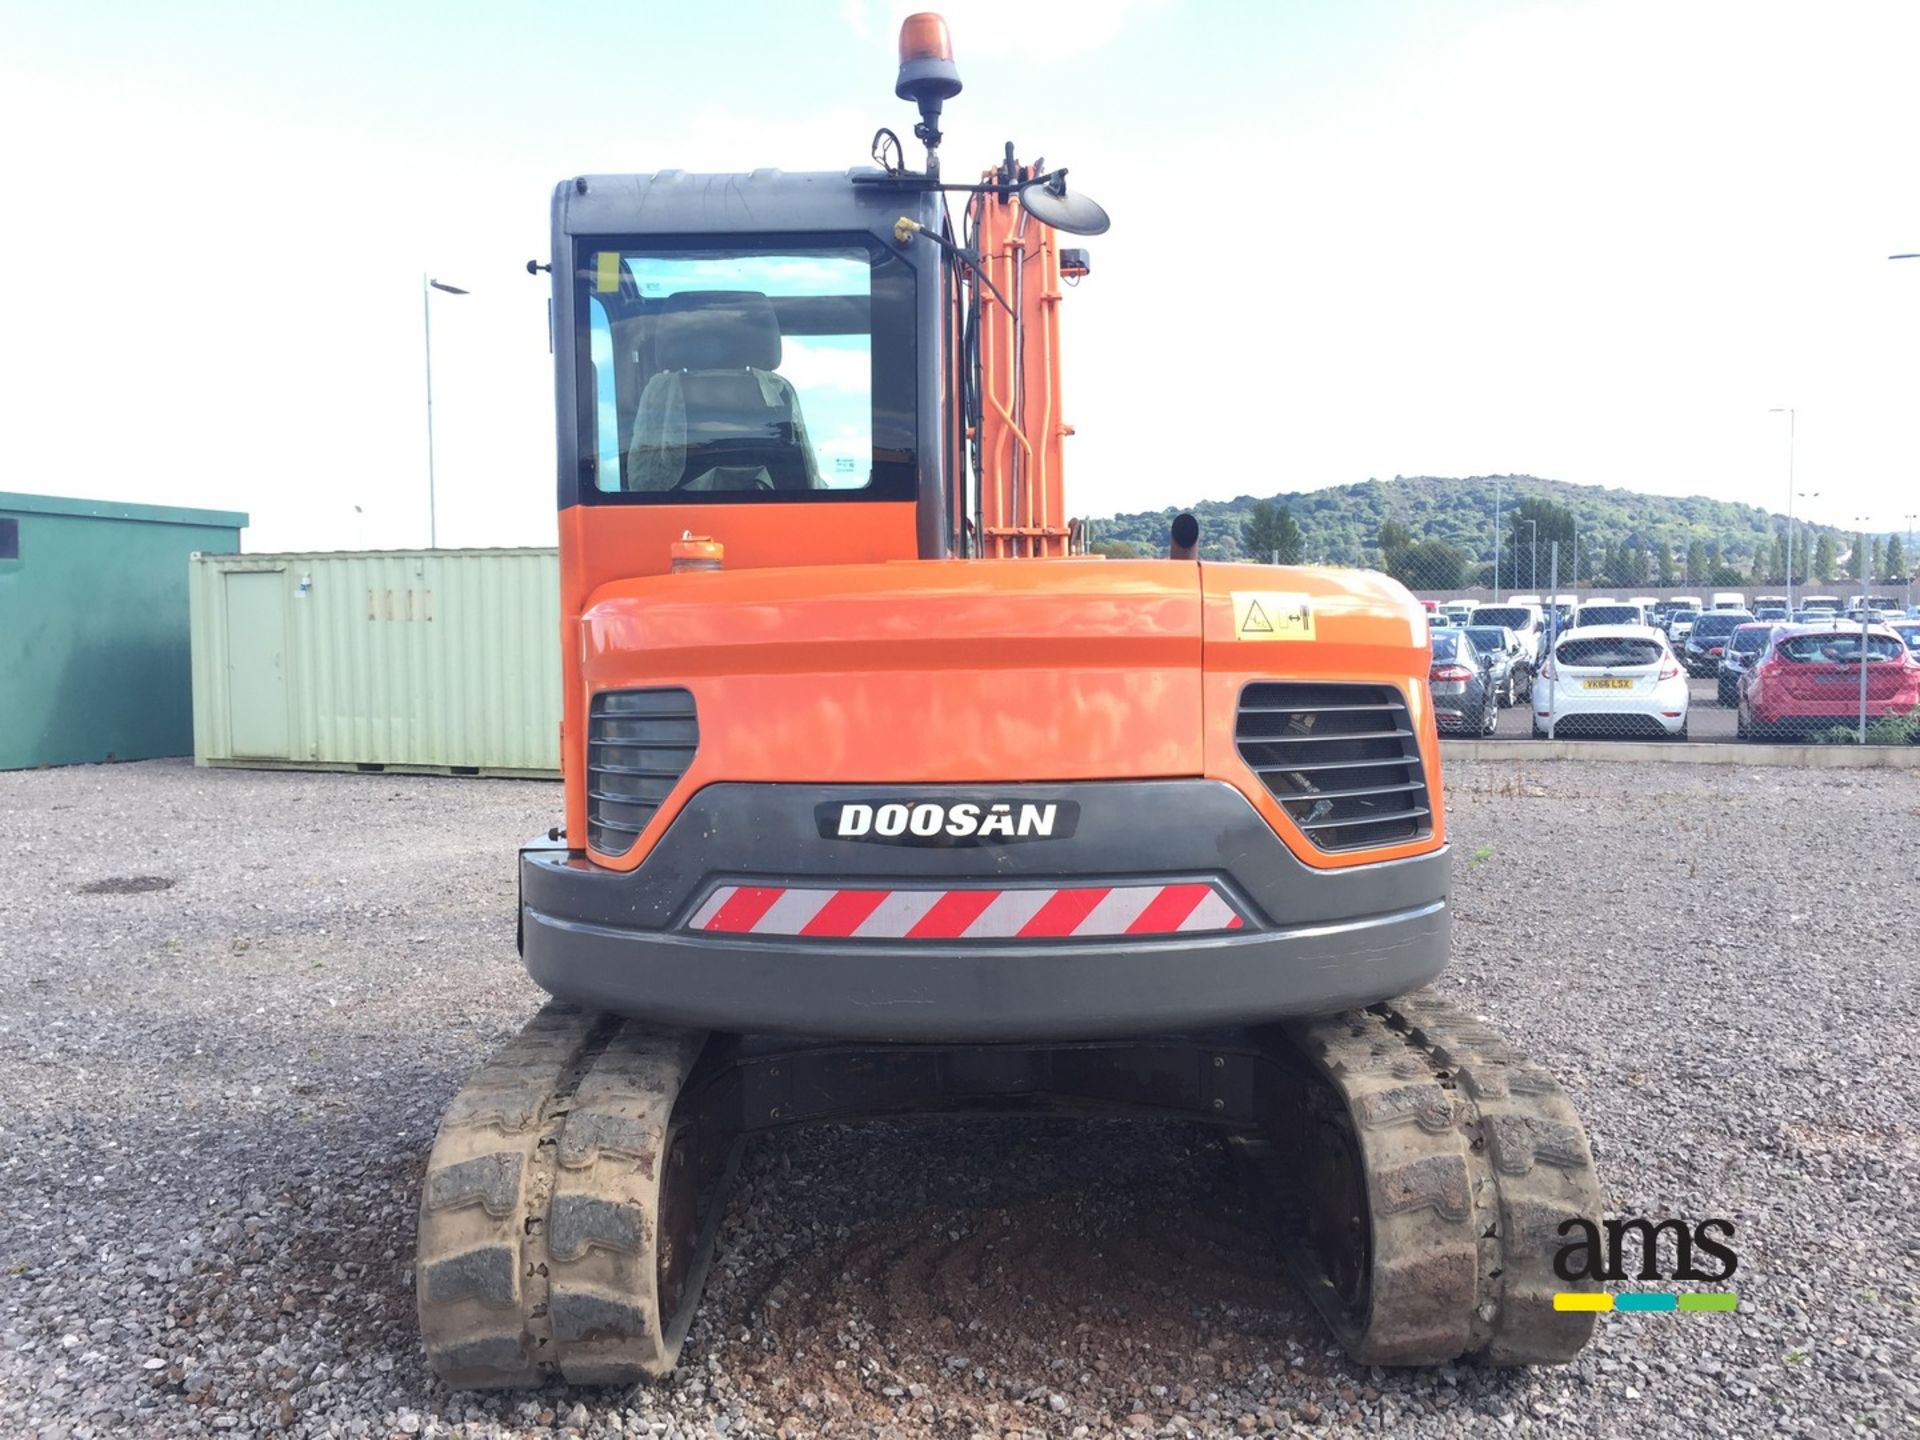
1618 681
1608 612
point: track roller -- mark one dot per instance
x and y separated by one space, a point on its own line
568 1213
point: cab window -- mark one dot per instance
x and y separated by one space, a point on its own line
732 373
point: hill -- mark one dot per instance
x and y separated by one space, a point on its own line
1617 529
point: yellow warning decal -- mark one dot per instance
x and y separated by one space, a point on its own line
606 275
1272 615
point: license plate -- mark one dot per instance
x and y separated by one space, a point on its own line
1610 683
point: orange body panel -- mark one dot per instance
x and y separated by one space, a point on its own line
985 672
1368 630
600 544
924 672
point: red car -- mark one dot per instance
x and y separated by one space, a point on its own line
1809 679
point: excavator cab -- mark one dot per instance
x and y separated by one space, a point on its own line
748 341
880 796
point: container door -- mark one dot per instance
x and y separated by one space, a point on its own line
257 664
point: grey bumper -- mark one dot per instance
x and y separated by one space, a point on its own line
1315 941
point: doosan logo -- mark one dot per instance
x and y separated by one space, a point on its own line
932 822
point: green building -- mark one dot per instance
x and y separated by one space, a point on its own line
94 660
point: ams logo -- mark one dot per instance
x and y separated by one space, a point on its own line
1599 1252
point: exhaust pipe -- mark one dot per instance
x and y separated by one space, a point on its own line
1184 542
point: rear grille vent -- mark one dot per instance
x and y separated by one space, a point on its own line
1342 759
639 744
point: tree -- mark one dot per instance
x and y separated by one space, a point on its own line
1780 555
1663 567
1824 558
1536 524
1429 565
1271 530
1879 556
1626 565
1857 557
1762 564
1896 561
1803 558
1714 562
1117 549
1696 563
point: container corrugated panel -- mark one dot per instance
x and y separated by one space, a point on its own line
432 660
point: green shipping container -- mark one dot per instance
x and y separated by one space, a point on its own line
93 627
445 661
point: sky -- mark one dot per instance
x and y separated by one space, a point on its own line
1592 241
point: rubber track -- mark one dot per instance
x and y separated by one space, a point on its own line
537 1238
1473 1157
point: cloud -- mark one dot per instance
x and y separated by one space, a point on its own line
812 366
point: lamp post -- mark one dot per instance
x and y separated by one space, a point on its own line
1865 565
1496 539
427 287
1906 560
1787 410
1804 495
1908 255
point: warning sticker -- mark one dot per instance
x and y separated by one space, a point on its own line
1271 615
606 272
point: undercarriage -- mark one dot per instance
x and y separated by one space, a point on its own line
1415 1166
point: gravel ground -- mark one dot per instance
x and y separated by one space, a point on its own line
222 1089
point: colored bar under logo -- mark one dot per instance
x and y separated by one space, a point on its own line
1643 1302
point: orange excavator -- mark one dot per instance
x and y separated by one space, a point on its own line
883 797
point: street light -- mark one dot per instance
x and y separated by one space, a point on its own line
1906 560
1804 495
1496 539
427 287
1864 564
1787 410
1908 255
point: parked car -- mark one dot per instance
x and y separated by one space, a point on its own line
1809 679
1707 639
1814 616
1513 662
1909 632
1608 612
1679 622
1729 600
1743 647
1765 611
1461 679
1526 621
1457 612
1613 680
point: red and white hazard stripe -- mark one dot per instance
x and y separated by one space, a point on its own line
832 913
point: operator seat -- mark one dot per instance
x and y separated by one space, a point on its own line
715 415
